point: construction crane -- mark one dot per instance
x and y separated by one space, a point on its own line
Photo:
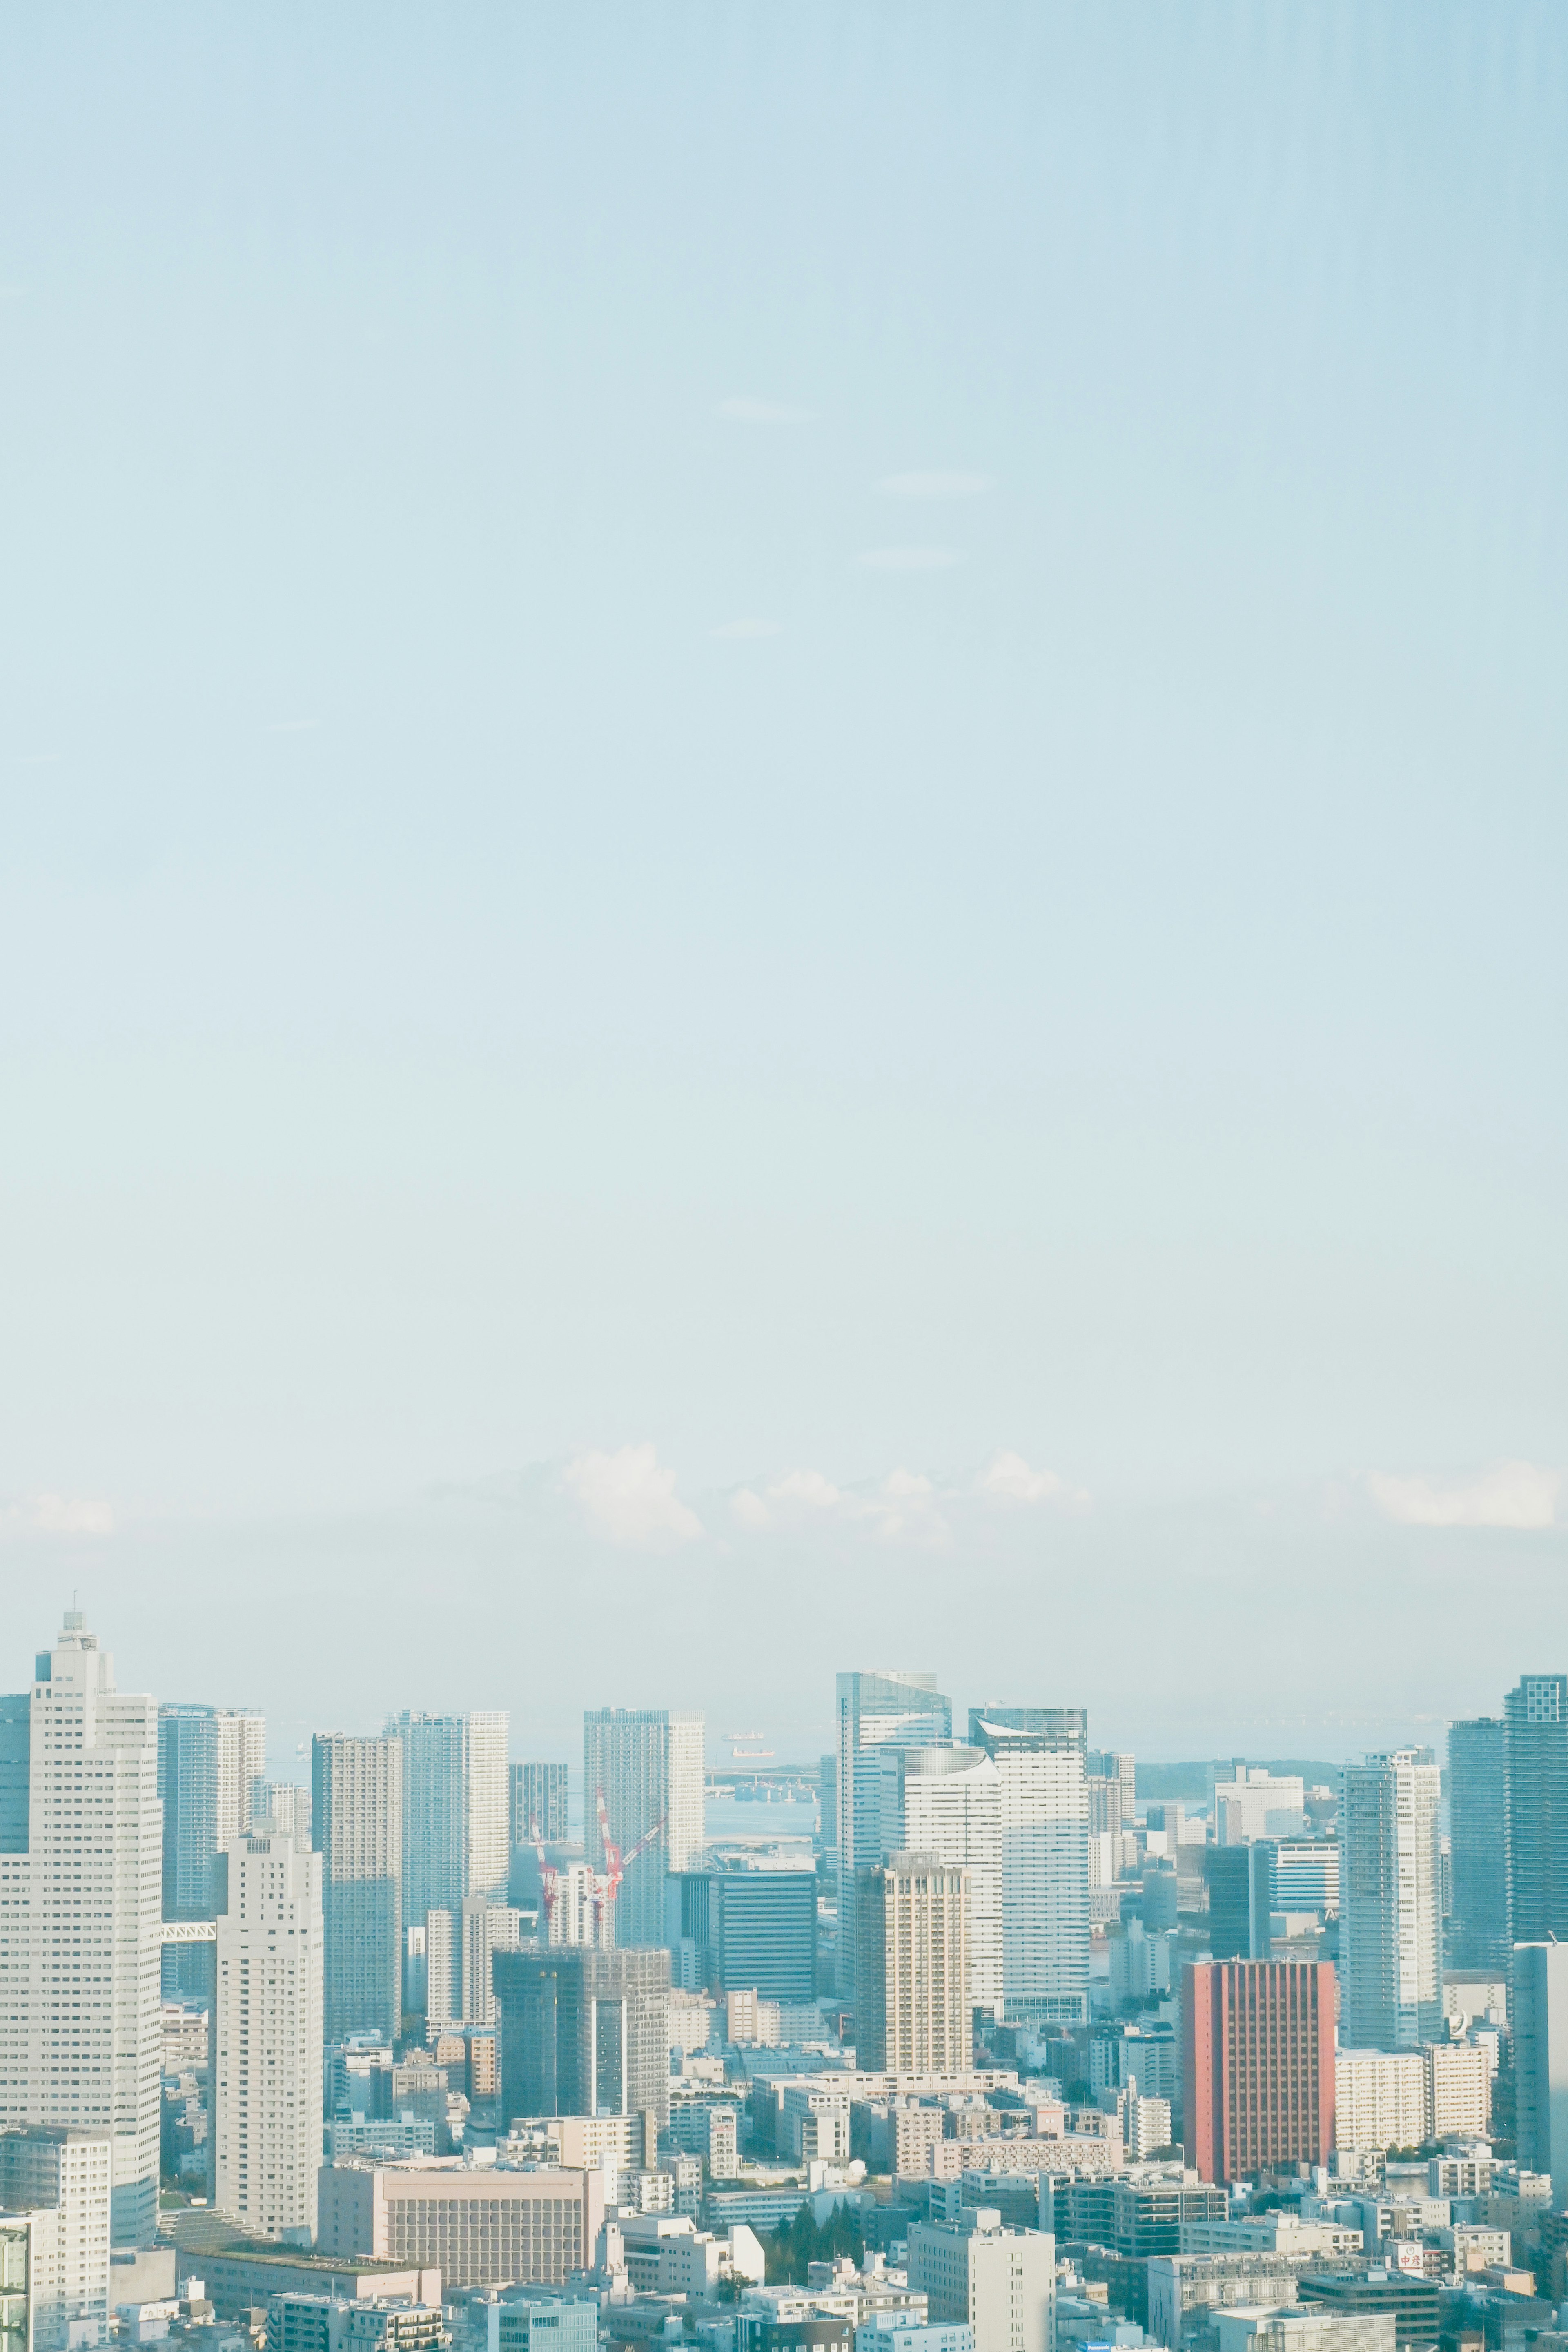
617 1865
547 1871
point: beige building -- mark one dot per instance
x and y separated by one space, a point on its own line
480 2228
1380 2099
911 1967
61 2181
999 2283
267 2068
1459 2091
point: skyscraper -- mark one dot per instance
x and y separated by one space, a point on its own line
80 2041
1477 1814
646 1765
210 1763
886 1708
539 1795
1541 2060
1389 1932
583 2033
1038 1753
946 1801
456 1837
268 2038
1536 1748
911 1924
1259 2065
356 1822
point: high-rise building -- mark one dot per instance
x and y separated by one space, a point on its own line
357 1822
947 1801
1540 2061
268 2038
539 1794
210 1762
999 2284
80 2034
60 2180
1259 2065
1249 1803
1536 1750
1228 1872
282 1808
646 1765
1112 1791
1038 1753
1390 1933
456 1800
743 1928
583 2032
483 1930
910 1926
886 1708
1477 1817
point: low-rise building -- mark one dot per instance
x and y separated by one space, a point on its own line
479 2227
1412 2299
1001 2282
1294 2329
326 2323
1186 2291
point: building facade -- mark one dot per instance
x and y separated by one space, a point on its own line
745 1928
1535 1717
1001 2284
583 2032
62 2181
456 1838
268 2038
1039 1753
884 1708
538 1797
1540 2061
911 1927
357 1822
1390 1923
946 1800
1258 2071
1478 1932
646 1766
80 1916
479 2227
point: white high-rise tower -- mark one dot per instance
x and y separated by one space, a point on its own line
80 1901
1391 1938
267 2060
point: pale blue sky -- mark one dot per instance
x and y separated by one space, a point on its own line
828 738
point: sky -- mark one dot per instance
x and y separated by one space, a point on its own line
782 859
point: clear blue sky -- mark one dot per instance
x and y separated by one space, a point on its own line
829 739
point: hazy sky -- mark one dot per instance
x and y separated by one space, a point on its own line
783 857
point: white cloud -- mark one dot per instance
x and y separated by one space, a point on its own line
1007 1478
742 411
1511 1495
909 559
934 485
629 1498
904 1509
747 629
799 1493
65 1515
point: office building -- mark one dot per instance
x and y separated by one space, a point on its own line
1187 2291
328 2322
532 2322
283 1810
1001 2284
356 1822
1410 2298
1478 1935
1250 1801
456 1800
745 1926
1227 1871
1312 2330
1536 1762
1390 1930
268 2059
210 1761
1038 1753
884 1708
946 1800
61 2180
583 2032
1112 1791
1259 2065
485 1929
910 1926
479 2227
538 1804
645 1766
81 1901
1540 2061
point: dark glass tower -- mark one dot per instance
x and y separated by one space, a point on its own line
1477 1816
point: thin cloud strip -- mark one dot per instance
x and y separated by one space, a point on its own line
905 1507
1518 1495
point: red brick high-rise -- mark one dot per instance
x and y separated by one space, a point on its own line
1258 2074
